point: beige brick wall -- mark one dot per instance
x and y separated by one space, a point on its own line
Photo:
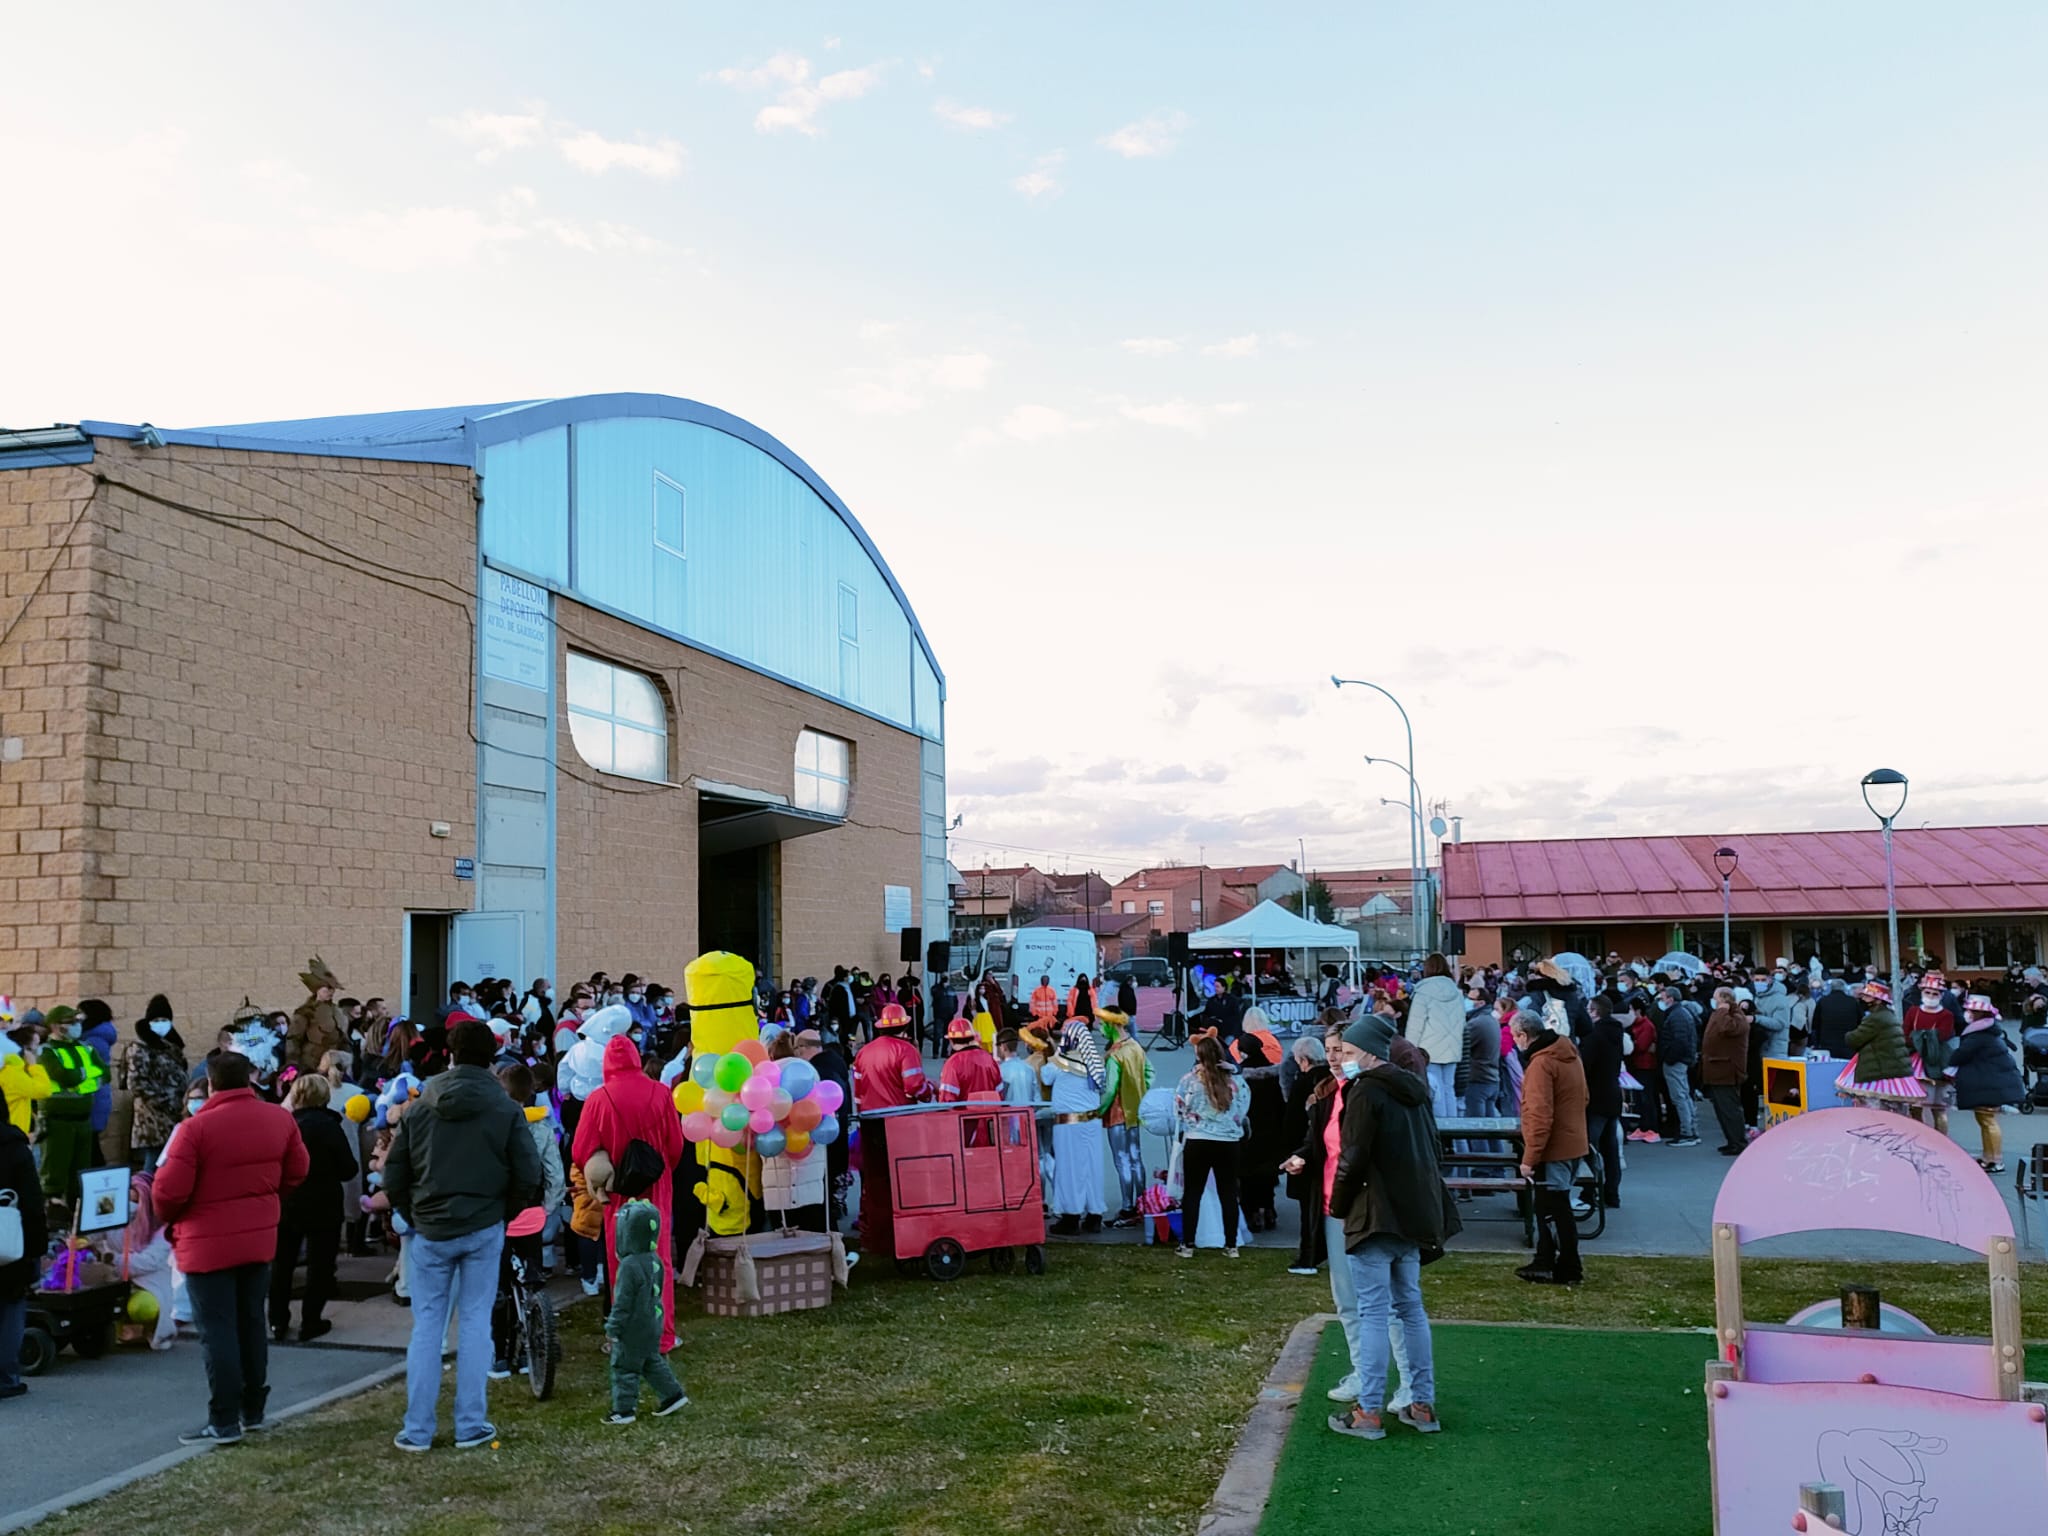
248 729
626 890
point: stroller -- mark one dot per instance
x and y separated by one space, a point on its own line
2034 1068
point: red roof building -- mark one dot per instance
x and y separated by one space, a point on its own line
1973 896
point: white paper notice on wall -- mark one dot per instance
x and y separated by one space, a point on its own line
517 637
895 908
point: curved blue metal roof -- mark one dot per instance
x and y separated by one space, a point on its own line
458 434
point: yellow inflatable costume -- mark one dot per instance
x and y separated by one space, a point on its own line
720 991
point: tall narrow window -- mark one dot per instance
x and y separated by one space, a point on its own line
849 643
668 515
824 773
617 719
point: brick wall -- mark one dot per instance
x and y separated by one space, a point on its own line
256 728
627 853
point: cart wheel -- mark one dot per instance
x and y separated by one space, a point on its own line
1034 1259
2027 1105
90 1342
945 1259
543 1346
1001 1261
38 1350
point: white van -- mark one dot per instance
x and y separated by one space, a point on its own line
1017 957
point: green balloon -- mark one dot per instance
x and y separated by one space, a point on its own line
734 1117
733 1071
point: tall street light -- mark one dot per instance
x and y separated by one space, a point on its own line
1415 801
1725 860
1424 938
1884 791
1418 901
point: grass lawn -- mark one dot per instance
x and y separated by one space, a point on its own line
1104 1396
1546 1433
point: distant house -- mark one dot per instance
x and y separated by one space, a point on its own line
1176 898
1084 892
1119 935
1006 897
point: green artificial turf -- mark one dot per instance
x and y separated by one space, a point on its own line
1547 1432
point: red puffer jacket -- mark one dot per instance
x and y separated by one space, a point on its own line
220 1180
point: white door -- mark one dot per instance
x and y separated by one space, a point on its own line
486 944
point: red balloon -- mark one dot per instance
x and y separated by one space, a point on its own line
804 1116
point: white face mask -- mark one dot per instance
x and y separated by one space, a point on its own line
160 1027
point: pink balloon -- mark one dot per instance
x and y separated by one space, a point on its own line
720 1136
697 1125
828 1096
770 1069
779 1105
756 1092
760 1121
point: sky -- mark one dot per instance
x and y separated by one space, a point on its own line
1650 397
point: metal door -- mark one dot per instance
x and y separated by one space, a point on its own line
485 944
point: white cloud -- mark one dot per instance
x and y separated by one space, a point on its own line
1176 414
1040 180
832 42
491 134
1040 423
877 330
897 388
928 69
601 236
1235 346
1149 137
798 100
415 239
590 151
974 119
1150 346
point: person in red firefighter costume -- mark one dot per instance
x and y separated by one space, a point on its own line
889 1070
631 1107
970 1069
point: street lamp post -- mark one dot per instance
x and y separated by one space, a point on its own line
1884 791
1418 901
1725 860
1427 931
1425 939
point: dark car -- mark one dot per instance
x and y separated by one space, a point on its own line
1144 971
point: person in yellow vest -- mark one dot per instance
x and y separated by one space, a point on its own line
75 1078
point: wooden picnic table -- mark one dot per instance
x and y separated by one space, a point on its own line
1477 1128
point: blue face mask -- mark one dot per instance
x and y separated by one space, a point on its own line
1351 1069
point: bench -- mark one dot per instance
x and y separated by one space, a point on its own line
1588 1209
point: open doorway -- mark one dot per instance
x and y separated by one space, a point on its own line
735 905
426 963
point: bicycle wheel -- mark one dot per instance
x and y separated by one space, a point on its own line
543 1345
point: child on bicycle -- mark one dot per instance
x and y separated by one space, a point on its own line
523 1242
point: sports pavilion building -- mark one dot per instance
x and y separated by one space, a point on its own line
520 689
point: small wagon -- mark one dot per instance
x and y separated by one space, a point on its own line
83 1318
941 1181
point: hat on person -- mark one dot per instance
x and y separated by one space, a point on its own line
892 1017
247 1014
60 1015
806 1038
1978 1003
31 1016
316 975
961 1032
1743 994
1372 1035
1932 981
1038 1039
1112 1020
1875 992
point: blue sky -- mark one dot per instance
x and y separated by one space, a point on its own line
1650 395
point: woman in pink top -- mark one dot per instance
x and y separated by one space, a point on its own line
1317 1159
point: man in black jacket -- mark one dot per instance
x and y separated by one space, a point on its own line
1602 1051
1394 1206
18 1177
1835 1014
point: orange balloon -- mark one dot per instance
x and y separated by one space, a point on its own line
804 1116
798 1144
753 1050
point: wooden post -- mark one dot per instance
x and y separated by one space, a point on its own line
2007 1344
1728 1295
1862 1307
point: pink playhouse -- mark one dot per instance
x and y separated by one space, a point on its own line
1922 1435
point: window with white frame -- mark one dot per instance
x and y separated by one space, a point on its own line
824 773
1130 908
1156 908
1705 941
617 719
1845 947
1993 946
1195 906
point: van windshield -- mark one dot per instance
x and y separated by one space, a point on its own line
996 958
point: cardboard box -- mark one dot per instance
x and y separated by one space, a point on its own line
794 1271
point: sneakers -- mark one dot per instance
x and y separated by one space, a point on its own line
1091 1223
1421 1417
1644 1136
622 1418
212 1434
319 1328
1230 1253
417 1447
1683 1141
680 1400
1184 1252
1300 1269
1535 1274
501 1370
483 1436
1359 1424
1346 1391
592 1286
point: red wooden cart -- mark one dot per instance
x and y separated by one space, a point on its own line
941 1181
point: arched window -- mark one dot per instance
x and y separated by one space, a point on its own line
824 773
617 719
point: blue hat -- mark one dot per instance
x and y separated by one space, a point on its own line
1373 1035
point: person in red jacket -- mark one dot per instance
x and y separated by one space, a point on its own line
889 1071
630 1107
970 1069
219 1189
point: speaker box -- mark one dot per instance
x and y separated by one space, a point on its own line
1177 948
912 946
1454 938
938 957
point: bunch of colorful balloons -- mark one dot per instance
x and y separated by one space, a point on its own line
783 1105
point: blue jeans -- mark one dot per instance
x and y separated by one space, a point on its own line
1443 1089
462 1272
1344 1293
1386 1272
13 1319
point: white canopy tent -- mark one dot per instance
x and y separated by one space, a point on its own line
1270 926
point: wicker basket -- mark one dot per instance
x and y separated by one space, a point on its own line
794 1271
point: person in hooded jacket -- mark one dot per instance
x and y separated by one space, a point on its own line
96 1029
1436 1023
1390 1196
312 1213
461 1164
1987 1076
24 1080
630 1107
18 1178
1553 1144
153 1070
1548 979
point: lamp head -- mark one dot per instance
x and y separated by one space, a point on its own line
1884 791
1725 860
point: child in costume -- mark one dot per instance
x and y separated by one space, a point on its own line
635 1324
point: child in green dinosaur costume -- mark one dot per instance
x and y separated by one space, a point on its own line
634 1325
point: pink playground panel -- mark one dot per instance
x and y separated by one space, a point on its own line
1774 1355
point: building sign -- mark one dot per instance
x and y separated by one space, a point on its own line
465 869
895 908
518 640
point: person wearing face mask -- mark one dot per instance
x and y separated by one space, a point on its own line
634 995
153 1071
75 1079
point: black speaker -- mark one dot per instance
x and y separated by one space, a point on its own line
938 957
1454 938
1177 948
912 946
